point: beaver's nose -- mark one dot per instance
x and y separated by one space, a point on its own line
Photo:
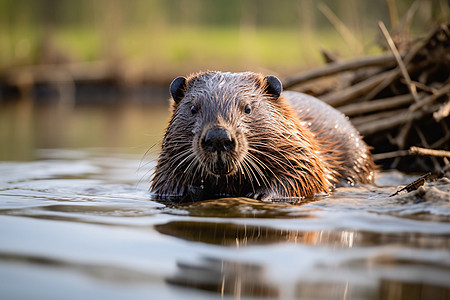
218 139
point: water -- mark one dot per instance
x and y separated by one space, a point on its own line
79 223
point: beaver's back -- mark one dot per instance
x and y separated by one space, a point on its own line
336 135
238 134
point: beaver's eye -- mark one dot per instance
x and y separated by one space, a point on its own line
248 109
194 109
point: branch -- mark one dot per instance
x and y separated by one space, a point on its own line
386 123
413 185
430 99
398 58
376 105
387 155
334 68
346 95
429 152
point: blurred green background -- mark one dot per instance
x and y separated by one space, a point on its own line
167 37
94 73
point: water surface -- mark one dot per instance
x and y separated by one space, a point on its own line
77 222
81 224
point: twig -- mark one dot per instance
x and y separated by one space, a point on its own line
376 105
346 95
398 58
413 185
408 57
388 155
383 124
411 151
337 67
419 85
370 87
429 152
430 99
390 79
385 83
357 121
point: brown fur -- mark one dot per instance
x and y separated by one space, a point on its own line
276 156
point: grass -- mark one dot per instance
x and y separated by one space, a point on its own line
187 47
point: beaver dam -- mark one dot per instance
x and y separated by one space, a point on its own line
77 220
399 101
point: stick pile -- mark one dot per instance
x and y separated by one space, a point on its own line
396 100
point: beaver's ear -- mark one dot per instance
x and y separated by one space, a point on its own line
273 86
178 88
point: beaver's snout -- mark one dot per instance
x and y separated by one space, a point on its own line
218 139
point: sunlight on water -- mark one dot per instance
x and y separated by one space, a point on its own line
81 224
77 222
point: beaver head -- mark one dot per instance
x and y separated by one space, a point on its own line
219 109
231 133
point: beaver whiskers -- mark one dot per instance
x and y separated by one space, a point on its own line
235 134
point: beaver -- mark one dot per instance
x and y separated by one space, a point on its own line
239 134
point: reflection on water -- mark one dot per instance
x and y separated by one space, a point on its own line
229 234
226 278
129 125
239 208
242 279
391 289
79 223
364 280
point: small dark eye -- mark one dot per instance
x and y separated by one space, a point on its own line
248 109
193 109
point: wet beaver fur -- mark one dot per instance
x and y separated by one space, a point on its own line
237 134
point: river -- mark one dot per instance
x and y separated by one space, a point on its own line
77 222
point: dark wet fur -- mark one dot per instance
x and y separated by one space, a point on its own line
278 154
